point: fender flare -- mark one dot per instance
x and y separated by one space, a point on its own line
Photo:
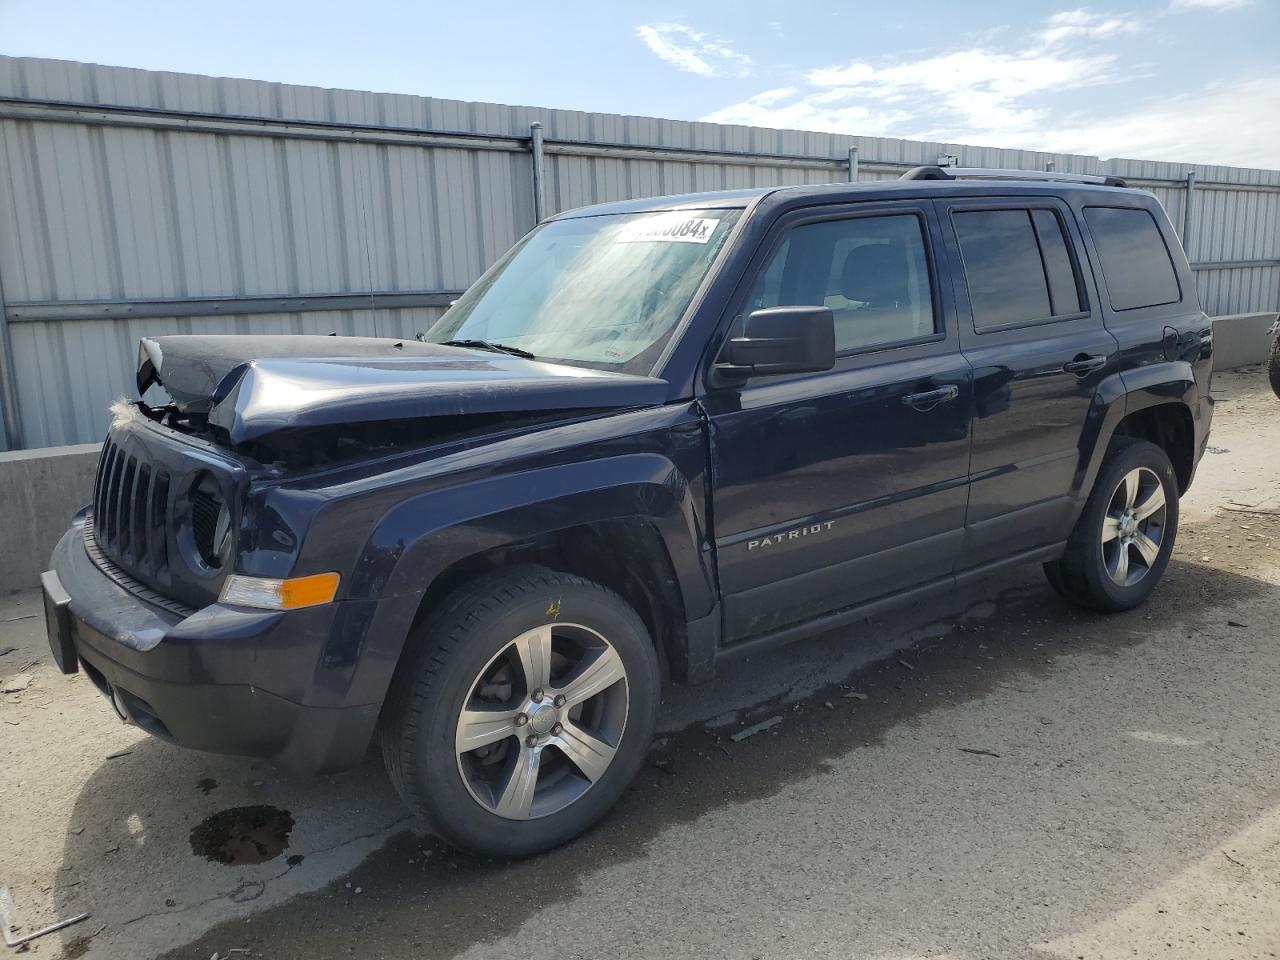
1124 393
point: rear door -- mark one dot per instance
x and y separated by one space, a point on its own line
836 487
1032 331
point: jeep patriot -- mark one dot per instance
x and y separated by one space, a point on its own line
656 434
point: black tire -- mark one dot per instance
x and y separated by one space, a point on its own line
1086 574
450 662
1273 367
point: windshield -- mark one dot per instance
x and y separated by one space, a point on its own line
602 291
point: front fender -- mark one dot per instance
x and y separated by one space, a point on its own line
423 536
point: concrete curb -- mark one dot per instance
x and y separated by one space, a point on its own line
40 490
1240 339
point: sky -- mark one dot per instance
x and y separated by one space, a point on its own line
1183 80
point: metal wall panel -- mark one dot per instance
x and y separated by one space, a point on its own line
122 187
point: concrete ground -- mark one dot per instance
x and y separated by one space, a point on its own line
998 776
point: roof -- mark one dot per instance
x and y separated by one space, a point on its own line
837 192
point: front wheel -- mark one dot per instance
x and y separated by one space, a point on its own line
1121 544
523 712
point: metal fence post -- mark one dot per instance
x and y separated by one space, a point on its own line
539 173
12 421
1189 213
853 164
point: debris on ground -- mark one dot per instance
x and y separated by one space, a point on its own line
8 923
855 695
6 650
118 754
16 684
760 727
979 753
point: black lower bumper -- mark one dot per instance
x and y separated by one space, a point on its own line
197 681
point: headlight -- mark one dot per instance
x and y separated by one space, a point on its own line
267 594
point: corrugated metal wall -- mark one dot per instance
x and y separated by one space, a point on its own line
134 202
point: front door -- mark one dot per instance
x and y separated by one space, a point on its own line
838 487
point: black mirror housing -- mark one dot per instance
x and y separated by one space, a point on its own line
781 340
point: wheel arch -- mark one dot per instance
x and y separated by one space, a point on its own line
626 554
1157 402
632 523
1171 427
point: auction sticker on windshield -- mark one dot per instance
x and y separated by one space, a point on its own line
669 228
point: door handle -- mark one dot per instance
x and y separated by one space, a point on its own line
1084 364
931 398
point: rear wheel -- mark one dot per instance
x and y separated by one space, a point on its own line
1121 544
524 711
1273 366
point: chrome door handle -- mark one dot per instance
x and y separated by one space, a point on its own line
1084 364
931 398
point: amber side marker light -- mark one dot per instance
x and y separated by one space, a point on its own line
267 594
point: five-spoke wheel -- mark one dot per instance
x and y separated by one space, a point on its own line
1121 543
1133 527
543 721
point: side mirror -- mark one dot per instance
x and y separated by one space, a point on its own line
781 340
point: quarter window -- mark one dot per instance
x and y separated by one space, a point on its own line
1017 266
872 272
1135 260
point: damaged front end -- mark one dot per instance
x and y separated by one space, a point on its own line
302 401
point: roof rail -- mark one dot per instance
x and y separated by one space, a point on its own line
995 173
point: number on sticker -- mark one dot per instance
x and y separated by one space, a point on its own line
669 228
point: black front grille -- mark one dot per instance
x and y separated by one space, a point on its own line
130 506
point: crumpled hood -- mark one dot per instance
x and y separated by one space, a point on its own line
251 386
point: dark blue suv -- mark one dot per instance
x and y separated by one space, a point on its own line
655 435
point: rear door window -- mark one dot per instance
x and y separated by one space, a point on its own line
1017 265
1135 261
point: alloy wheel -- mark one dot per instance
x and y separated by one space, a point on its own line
542 722
1133 528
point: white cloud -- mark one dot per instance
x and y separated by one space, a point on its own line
1237 124
1010 98
1218 5
1081 23
950 96
693 51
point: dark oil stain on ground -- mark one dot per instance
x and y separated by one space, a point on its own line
207 785
75 948
242 835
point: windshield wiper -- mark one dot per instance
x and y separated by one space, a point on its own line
490 346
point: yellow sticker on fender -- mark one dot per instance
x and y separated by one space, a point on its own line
668 228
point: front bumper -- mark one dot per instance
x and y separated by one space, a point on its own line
225 680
